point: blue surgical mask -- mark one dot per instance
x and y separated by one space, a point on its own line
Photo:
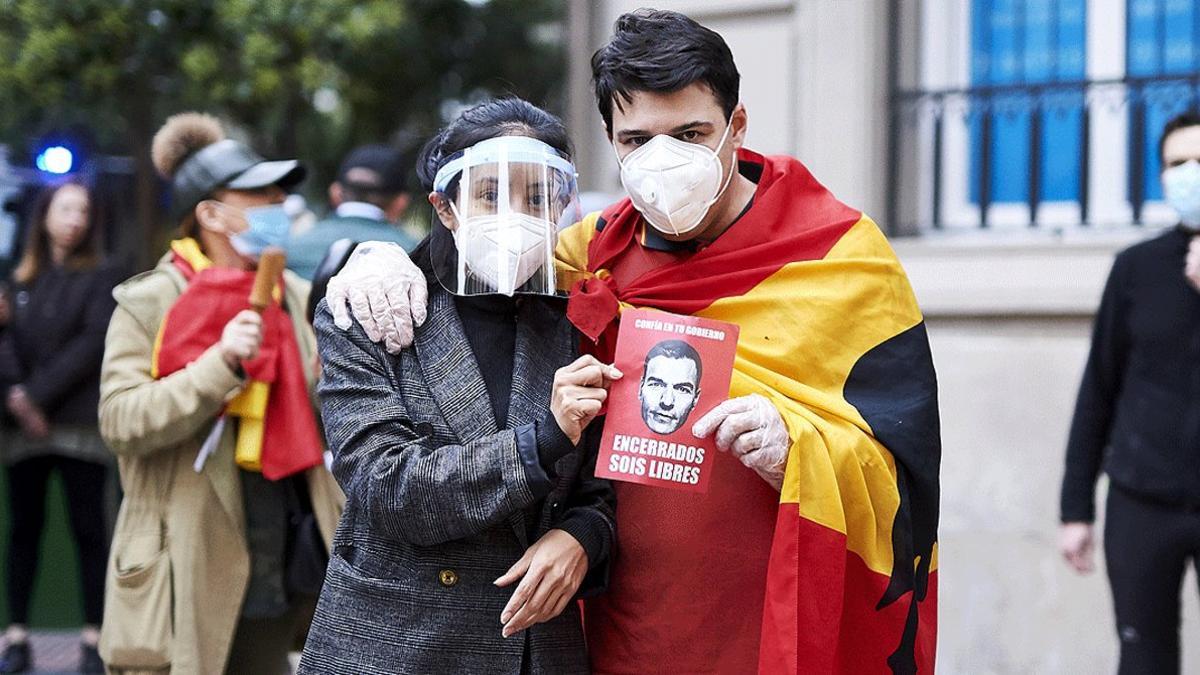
1181 188
267 226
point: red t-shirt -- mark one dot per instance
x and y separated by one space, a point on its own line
685 593
687 582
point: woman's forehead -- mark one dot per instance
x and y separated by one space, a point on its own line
70 192
514 170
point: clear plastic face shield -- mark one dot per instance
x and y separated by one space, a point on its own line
504 199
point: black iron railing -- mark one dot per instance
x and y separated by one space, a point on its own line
922 117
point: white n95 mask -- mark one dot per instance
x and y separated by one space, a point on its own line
502 252
674 183
1181 188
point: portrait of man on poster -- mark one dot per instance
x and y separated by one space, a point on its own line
670 385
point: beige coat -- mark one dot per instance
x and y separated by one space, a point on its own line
156 428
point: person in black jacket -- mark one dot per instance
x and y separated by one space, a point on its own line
1138 419
50 352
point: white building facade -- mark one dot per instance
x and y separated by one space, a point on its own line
1010 148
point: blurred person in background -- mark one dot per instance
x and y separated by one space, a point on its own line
222 537
302 217
50 351
369 198
1137 419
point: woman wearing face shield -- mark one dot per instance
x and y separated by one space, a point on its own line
221 540
474 517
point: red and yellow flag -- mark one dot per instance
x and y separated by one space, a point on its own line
277 427
831 333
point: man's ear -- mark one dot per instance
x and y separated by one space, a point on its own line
208 216
396 207
740 121
335 194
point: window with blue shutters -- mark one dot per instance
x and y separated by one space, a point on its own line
1163 42
1042 113
1018 49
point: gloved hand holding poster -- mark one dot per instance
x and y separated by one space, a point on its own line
677 368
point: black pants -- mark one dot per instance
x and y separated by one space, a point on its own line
1147 547
84 484
261 646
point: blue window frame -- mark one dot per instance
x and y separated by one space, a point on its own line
1015 43
1163 39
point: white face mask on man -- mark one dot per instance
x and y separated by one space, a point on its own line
1181 189
674 183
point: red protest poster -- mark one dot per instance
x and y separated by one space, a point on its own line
677 368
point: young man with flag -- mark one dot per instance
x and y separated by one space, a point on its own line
219 550
814 550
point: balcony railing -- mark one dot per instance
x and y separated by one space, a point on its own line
944 142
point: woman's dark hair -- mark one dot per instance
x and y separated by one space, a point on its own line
1190 118
662 52
509 116
36 257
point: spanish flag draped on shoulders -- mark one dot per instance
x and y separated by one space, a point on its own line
838 573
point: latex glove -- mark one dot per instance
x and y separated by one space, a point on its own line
550 572
1191 268
579 392
383 290
1077 543
241 338
752 429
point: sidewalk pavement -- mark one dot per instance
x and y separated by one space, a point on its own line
54 651
58 651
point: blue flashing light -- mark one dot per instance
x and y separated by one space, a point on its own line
56 159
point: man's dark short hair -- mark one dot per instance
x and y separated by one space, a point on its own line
662 52
373 173
675 349
1190 118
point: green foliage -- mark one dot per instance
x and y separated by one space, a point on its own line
307 78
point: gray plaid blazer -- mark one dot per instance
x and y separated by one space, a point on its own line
439 505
